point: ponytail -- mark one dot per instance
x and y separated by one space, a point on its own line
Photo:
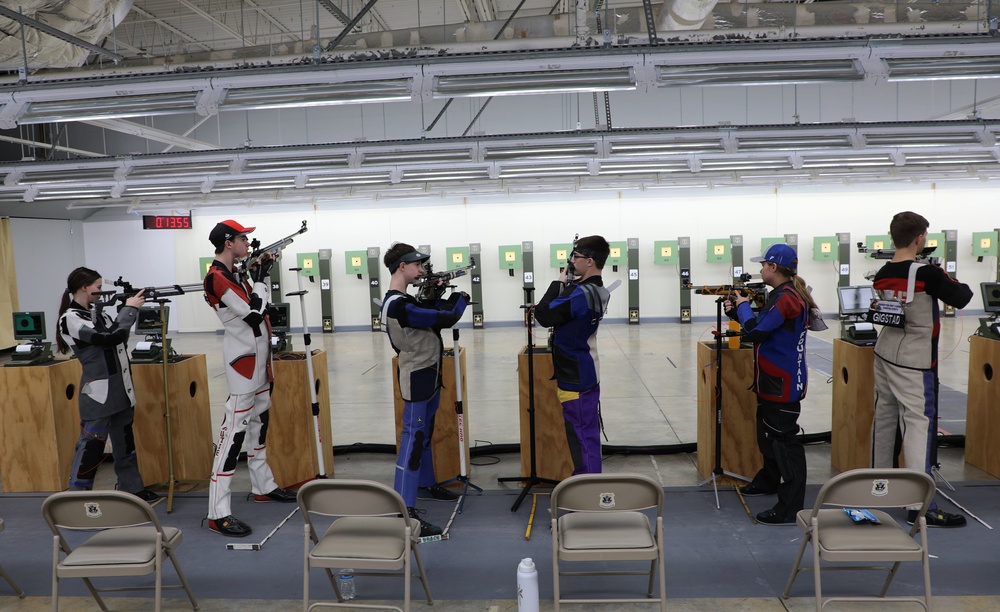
803 290
81 277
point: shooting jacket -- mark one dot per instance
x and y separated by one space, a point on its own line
575 311
246 346
101 346
778 334
915 346
414 330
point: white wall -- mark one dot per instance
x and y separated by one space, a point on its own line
163 257
47 250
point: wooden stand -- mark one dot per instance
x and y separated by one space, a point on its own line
444 443
190 420
739 413
982 422
853 405
291 437
40 421
553 459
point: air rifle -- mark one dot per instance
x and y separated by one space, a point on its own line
272 249
431 285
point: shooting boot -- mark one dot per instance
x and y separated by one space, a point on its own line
277 495
426 529
230 526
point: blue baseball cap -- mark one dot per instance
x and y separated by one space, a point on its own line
781 254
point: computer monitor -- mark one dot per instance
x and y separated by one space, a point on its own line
29 326
278 315
856 299
148 322
991 297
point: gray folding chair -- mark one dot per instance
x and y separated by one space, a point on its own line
129 541
7 577
835 537
368 533
599 517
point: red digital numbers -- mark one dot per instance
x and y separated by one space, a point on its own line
166 222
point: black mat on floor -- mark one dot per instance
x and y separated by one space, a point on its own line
710 552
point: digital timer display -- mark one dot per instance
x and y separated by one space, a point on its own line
166 222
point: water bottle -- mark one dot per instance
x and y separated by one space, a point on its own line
345 581
527 586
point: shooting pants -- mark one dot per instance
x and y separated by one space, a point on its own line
244 414
581 410
784 470
415 465
90 452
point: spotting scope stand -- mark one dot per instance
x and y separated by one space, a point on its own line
533 478
718 471
307 340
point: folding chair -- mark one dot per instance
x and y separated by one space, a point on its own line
599 517
836 537
7 577
368 533
129 541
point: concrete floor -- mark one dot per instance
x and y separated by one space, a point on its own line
649 375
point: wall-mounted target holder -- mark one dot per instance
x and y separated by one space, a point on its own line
984 244
718 250
825 248
510 258
618 255
559 254
766 243
458 257
937 241
665 252
684 261
205 263
309 262
878 242
354 262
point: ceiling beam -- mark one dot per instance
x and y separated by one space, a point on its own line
166 26
235 34
151 133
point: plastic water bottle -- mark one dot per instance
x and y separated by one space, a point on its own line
345 580
527 586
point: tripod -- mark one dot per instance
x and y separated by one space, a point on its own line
460 412
307 340
718 471
533 478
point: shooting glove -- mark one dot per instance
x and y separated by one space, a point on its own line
260 271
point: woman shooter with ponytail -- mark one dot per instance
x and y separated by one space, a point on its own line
778 334
107 395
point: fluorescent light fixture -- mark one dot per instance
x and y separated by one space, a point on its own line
759 73
554 151
151 105
933 139
299 163
164 168
539 82
417 156
943 68
668 147
325 94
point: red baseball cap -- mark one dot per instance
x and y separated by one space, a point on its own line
227 230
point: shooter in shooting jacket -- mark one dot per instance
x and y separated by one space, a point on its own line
246 349
414 330
107 395
574 305
778 334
